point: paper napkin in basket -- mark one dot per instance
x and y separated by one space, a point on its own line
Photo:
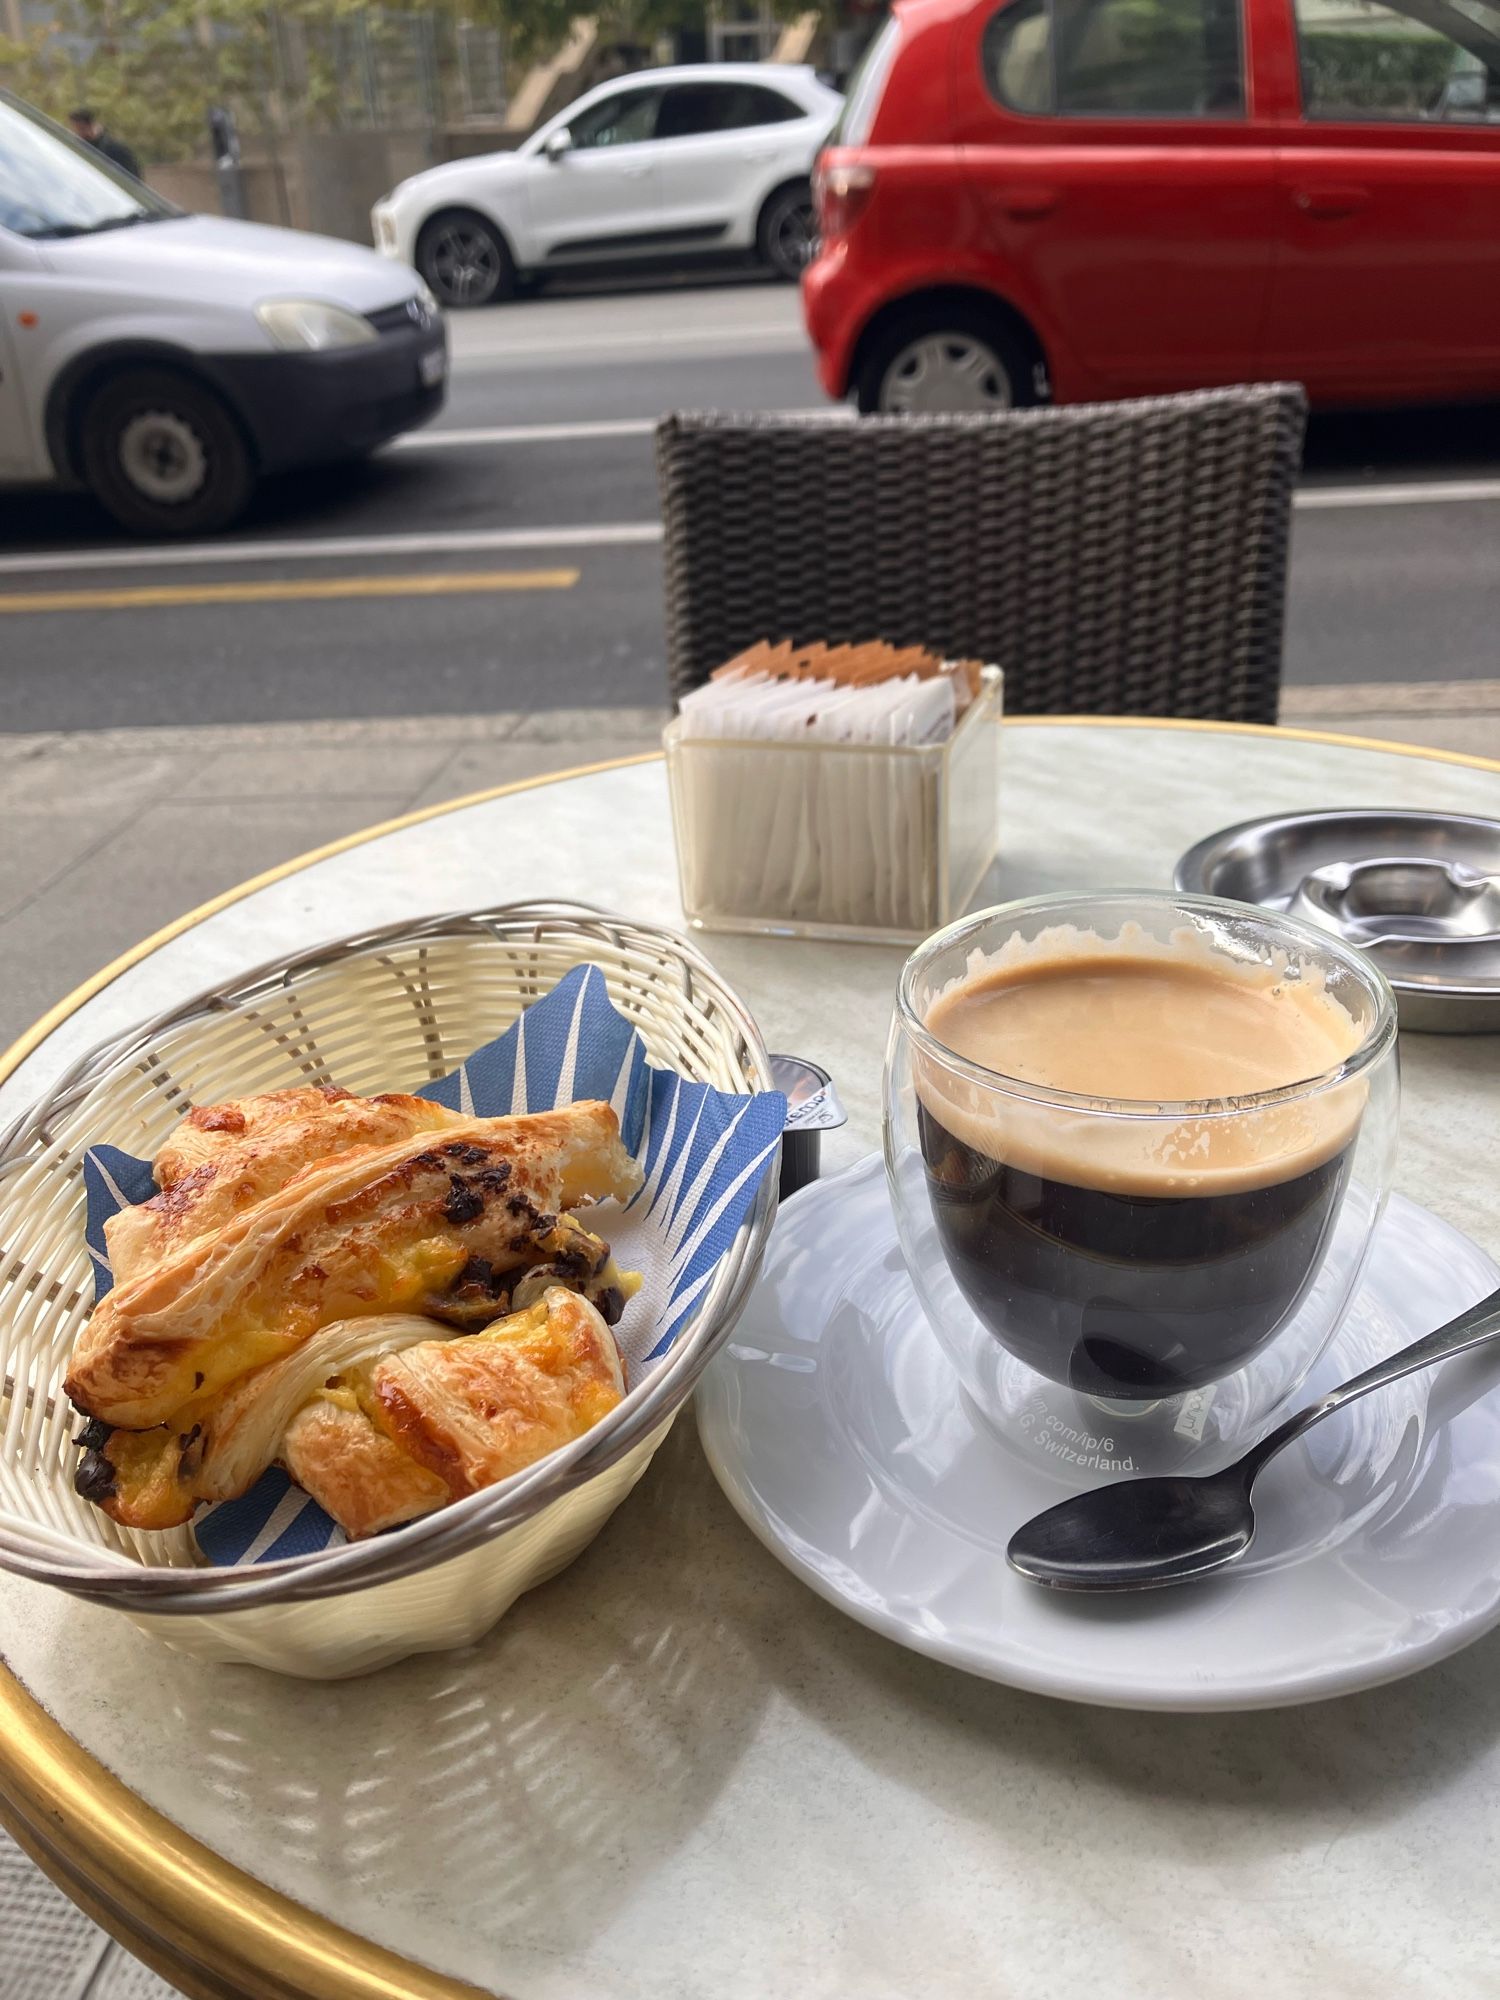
704 1153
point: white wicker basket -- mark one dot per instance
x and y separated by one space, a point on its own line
386 1010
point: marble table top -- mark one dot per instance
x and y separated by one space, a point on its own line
673 1771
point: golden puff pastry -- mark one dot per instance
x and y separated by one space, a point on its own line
439 1224
380 1420
224 1157
218 1445
458 1414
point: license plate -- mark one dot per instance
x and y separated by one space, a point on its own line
432 367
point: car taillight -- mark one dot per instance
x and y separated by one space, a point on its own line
842 192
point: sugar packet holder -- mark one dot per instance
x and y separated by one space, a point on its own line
880 842
704 1154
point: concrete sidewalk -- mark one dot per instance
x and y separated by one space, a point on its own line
105 837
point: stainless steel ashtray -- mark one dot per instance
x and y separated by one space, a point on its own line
1419 891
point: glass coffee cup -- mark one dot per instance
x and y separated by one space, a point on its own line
1137 1144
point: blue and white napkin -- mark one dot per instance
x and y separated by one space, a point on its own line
704 1153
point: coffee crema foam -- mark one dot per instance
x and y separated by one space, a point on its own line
1150 1021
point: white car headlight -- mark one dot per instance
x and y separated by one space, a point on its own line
429 300
308 323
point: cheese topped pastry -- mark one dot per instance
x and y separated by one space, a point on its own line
379 1419
283 1216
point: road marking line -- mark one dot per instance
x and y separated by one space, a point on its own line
578 433
152 597
1424 493
622 427
664 346
606 535
193 555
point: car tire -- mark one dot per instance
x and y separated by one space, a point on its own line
163 454
954 357
786 236
465 260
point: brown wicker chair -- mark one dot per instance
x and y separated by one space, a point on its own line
1114 558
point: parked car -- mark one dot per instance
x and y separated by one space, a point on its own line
1109 198
674 163
166 361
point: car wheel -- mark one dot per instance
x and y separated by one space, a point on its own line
164 455
953 360
465 261
787 234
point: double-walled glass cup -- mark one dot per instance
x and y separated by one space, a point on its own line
1126 1284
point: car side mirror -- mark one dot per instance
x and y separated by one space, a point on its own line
560 142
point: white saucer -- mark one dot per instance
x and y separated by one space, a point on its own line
840 1432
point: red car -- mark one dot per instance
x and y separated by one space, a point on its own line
1097 198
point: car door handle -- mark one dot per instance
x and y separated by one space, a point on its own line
634 173
1329 204
1029 204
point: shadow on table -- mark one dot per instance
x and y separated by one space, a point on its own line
1281 1778
543 1781
534 1775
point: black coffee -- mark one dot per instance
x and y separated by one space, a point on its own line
1126 1257
1127 1295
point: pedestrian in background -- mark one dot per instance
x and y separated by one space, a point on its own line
86 124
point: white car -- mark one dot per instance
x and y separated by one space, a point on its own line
664 163
166 360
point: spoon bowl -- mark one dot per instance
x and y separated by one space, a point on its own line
1141 1533
1138 1534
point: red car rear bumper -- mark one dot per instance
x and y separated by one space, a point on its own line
833 312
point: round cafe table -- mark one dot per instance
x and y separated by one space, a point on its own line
676 1772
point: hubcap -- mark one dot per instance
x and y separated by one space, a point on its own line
945 371
794 236
465 267
163 457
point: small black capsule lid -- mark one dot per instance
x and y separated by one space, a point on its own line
813 1108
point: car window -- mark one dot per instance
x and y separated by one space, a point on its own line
1117 58
762 106
53 186
622 120
866 88
694 108
1410 59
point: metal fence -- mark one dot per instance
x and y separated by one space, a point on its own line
382 67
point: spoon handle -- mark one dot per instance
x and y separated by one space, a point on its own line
1473 1328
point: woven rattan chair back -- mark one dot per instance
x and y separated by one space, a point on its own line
1114 558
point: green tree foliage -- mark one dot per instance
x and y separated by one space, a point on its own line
152 68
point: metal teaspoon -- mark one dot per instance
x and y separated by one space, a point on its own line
1141 1533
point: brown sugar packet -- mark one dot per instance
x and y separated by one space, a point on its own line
766 656
810 662
863 665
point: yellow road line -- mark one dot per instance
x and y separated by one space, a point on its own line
153 596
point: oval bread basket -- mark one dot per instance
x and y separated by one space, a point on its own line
387 1010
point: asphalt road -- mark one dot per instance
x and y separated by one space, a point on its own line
507 557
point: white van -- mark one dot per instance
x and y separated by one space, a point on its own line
165 360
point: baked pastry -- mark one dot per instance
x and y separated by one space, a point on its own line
440 1419
306 1232
380 1419
223 1157
444 1227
